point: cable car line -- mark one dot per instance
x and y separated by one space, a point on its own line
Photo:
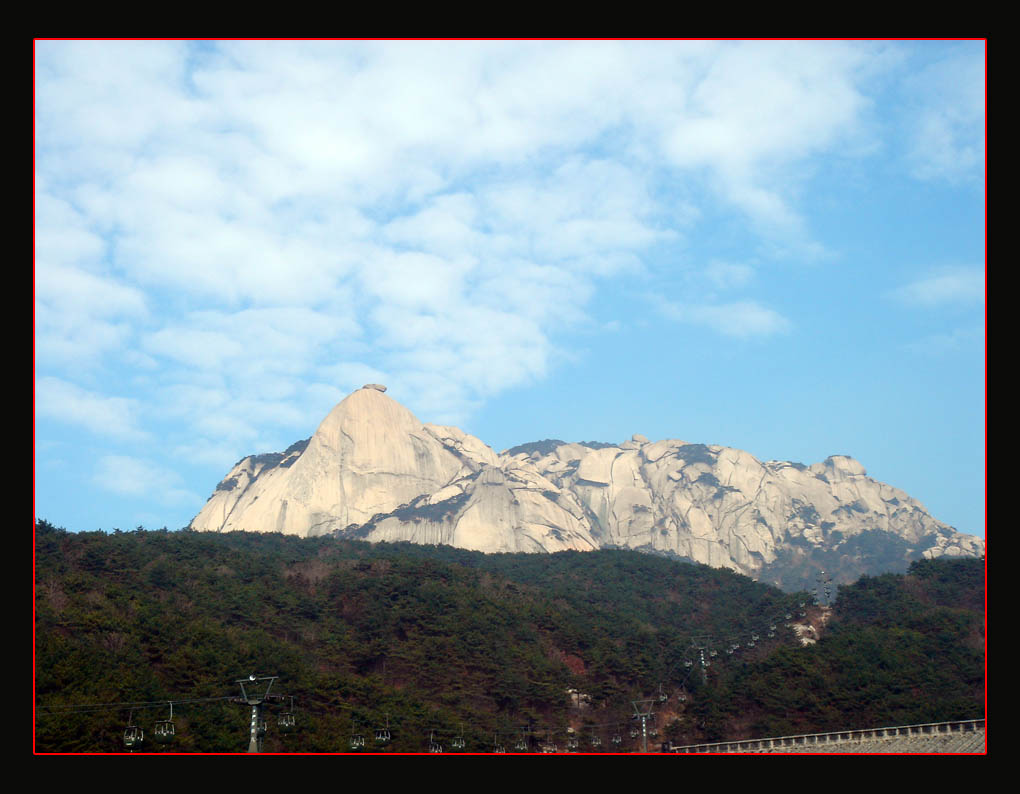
87 708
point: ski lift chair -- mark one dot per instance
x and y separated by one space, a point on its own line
164 732
286 723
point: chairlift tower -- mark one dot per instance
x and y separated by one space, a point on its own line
258 724
823 586
643 709
702 644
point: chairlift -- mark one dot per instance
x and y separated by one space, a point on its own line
572 744
633 733
382 735
596 741
357 742
521 746
434 746
458 743
163 732
617 739
286 721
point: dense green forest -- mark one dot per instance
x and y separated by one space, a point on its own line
511 650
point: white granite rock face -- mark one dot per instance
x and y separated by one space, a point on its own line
372 470
369 455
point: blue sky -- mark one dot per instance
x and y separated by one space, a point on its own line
776 246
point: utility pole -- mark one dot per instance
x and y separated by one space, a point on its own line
255 700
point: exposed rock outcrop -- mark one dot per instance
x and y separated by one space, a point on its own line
369 455
373 470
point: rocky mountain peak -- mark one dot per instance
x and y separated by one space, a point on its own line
373 470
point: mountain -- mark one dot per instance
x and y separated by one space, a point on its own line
373 471
435 641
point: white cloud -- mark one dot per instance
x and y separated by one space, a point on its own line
200 349
72 342
965 339
756 111
129 476
241 217
962 286
213 453
448 226
267 341
947 110
112 417
63 234
728 275
413 280
739 319
82 311
70 290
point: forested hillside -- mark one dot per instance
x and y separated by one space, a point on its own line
438 642
898 650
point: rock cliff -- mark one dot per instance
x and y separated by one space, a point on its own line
372 470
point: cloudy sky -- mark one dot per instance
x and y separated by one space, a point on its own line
775 246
